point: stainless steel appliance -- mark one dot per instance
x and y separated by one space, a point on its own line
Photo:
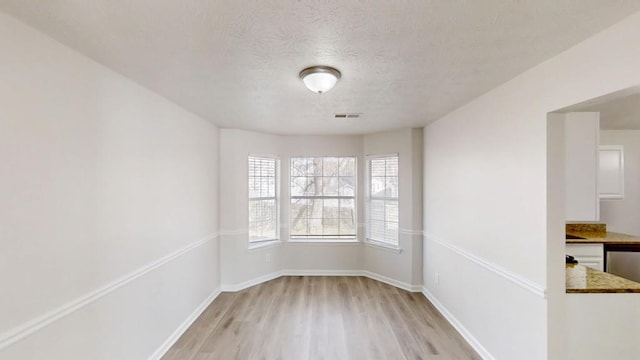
625 264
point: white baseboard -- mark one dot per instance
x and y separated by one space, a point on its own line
26 329
167 344
369 274
294 272
475 344
392 282
252 282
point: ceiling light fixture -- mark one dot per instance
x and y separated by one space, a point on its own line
320 79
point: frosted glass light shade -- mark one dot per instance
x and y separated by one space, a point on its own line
320 79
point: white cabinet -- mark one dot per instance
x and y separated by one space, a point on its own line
582 131
611 172
591 255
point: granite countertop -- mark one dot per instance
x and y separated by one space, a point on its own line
602 238
583 279
598 234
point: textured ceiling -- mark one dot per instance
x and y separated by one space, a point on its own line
404 63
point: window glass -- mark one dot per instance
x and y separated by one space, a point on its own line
263 202
323 198
382 199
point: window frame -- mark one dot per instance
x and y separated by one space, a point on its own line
329 238
368 198
267 240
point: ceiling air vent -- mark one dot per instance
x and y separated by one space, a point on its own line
347 115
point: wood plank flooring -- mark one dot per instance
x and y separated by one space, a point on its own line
319 317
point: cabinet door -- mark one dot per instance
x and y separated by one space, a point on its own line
611 172
591 255
582 131
598 265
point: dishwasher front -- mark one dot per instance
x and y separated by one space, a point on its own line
625 264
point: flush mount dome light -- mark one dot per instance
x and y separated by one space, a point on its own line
320 79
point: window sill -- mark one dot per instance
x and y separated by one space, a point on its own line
264 244
383 246
323 242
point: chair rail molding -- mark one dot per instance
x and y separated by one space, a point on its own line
22 331
521 281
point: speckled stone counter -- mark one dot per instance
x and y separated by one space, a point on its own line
603 238
587 228
583 279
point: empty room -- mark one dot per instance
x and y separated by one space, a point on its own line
319 179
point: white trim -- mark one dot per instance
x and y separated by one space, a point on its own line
410 232
356 187
369 198
171 340
322 197
250 283
276 192
392 282
295 241
360 226
376 156
382 246
234 232
266 156
475 344
620 150
25 329
302 272
258 245
324 242
295 272
524 283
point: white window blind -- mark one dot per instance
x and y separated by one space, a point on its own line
263 202
382 202
323 191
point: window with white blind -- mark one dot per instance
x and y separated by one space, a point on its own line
382 199
263 199
323 193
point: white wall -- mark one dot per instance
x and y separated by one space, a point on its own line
603 326
238 264
321 257
557 323
622 215
242 266
485 203
406 266
108 216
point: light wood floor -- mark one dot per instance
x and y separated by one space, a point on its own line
317 317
